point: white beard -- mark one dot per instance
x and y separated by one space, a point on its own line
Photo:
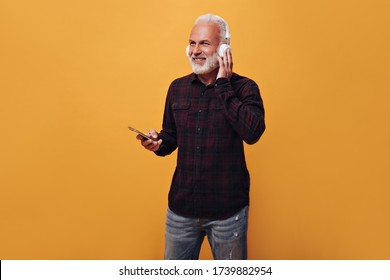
210 64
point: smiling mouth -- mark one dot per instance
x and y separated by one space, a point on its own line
199 59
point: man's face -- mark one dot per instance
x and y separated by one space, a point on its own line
204 42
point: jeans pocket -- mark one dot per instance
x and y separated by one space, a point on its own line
234 227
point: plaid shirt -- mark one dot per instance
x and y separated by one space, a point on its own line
208 125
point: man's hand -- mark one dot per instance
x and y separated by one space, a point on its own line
150 144
225 65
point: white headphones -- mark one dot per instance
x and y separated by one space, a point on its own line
223 47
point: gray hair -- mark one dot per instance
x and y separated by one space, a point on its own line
224 32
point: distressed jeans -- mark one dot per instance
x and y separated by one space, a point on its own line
227 238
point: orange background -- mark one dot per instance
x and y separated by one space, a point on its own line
75 184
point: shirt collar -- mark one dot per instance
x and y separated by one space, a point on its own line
194 77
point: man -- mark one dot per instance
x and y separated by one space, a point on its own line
208 114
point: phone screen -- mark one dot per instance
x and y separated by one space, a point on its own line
142 134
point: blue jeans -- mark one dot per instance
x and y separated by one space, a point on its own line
227 238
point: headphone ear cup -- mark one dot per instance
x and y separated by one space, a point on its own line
188 50
222 48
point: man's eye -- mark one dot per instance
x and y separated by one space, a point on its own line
206 44
192 44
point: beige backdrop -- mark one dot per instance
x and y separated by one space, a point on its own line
75 184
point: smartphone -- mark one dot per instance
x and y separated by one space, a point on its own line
142 134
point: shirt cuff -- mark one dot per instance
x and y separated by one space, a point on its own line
221 81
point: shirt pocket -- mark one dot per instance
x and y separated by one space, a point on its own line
180 112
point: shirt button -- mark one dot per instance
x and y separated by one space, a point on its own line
200 111
198 129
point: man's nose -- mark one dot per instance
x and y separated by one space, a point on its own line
197 49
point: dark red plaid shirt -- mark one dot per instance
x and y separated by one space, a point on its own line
208 125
